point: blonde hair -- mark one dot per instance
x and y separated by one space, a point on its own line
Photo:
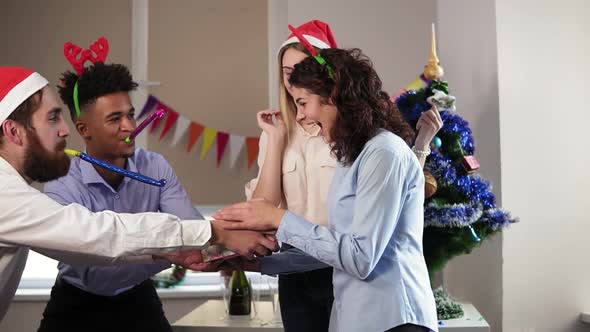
287 105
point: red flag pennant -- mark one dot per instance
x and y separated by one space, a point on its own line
171 118
252 145
157 120
222 139
194 132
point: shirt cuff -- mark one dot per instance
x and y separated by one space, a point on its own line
196 233
138 259
266 265
294 230
161 264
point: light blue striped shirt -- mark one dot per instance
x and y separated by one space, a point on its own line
373 241
83 185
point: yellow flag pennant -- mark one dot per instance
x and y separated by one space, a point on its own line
209 135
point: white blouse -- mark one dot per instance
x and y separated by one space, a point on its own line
307 170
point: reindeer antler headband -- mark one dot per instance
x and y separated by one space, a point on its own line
97 52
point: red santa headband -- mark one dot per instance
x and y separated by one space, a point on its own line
16 85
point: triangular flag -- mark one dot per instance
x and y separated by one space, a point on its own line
222 139
252 144
194 132
181 127
170 121
208 138
236 142
147 107
157 120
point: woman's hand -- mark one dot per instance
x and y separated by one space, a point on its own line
276 130
428 125
256 215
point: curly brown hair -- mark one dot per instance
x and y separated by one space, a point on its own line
356 91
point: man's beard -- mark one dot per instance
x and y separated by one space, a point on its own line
41 165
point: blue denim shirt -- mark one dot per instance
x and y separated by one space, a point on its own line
373 241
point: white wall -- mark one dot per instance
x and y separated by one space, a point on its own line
467 51
543 54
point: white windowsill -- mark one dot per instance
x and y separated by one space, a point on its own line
195 286
178 292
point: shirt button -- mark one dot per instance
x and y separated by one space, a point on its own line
117 196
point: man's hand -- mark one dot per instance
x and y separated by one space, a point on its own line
190 259
257 215
215 266
244 243
227 266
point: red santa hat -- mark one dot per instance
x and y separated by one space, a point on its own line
16 85
316 32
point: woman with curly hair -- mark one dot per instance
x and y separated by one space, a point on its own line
375 204
295 172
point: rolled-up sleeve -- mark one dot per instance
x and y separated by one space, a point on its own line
290 261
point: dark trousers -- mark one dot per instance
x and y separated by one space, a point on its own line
72 309
409 328
306 300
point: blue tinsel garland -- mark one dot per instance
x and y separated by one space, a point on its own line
476 192
452 215
454 124
410 107
478 201
497 218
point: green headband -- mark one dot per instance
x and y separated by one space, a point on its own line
76 103
313 52
323 62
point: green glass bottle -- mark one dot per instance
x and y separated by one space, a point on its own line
240 294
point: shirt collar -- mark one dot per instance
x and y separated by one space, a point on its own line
316 131
91 176
7 167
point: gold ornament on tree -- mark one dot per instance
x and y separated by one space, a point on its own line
432 70
430 185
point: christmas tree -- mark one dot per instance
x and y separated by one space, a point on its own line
460 209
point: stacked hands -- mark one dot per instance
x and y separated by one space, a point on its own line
245 228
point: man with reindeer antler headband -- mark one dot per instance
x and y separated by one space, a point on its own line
101 110
32 140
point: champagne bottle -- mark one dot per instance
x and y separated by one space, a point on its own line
239 301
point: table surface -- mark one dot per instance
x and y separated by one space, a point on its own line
209 317
472 321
